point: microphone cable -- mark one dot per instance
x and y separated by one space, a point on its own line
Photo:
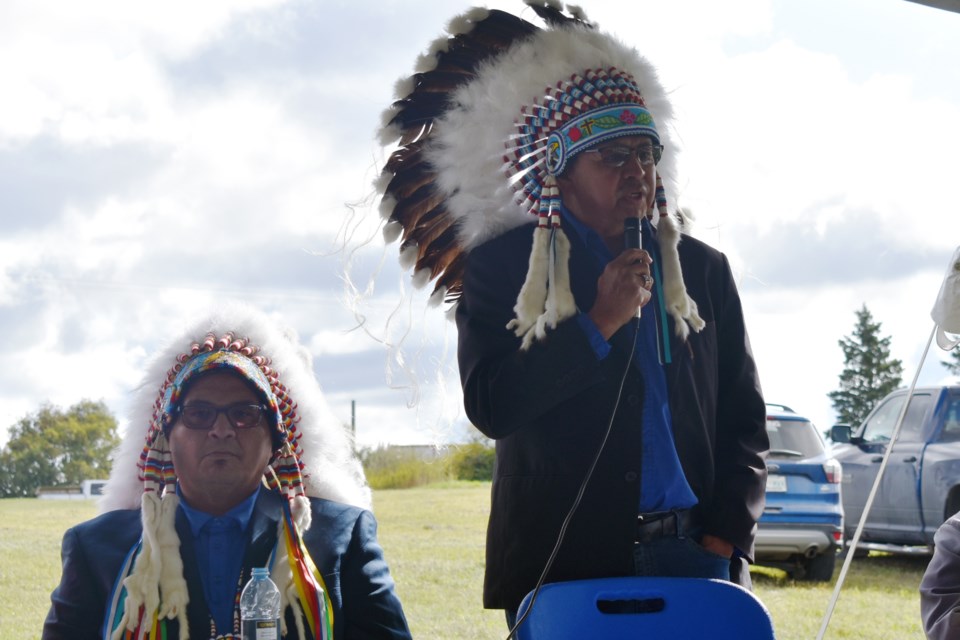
581 491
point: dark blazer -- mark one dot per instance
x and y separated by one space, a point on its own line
548 408
342 541
940 586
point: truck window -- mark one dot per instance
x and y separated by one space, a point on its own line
879 427
951 425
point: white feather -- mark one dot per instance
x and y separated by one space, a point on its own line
381 182
408 256
388 133
391 231
386 207
437 297
403 87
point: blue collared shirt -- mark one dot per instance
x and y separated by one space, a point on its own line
663 485
220 543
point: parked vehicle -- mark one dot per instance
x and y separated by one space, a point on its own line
921 485
801 528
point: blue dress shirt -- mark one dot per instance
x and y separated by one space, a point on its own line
220 543
663 485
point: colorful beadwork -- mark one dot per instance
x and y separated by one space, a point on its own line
573 116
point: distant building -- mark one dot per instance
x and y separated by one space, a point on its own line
425 452
86 490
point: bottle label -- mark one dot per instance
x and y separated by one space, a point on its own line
261 629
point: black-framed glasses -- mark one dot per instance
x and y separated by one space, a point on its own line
616 156
202 416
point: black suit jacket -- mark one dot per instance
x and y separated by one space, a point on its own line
548 407
342 541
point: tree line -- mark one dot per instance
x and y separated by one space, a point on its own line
55 447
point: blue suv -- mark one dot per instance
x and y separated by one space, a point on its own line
801 528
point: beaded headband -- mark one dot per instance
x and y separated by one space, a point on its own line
224 360
573 116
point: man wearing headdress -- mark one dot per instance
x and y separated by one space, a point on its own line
235 463
567 127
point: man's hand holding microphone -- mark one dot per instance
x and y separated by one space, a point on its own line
625 284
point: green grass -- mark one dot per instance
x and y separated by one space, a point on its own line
433 537
30 535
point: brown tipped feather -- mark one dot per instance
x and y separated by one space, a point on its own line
409 211
420 207
433 224
451 279
409 180
440 253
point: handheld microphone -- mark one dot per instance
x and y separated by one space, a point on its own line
631 234
631 238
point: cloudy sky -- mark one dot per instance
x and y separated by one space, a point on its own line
158 157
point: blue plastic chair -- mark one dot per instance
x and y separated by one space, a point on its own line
640 607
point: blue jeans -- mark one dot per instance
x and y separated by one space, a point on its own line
670 557
679 557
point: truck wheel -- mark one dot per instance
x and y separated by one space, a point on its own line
820 568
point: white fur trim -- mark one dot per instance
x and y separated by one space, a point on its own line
451 311
428 61
533 293
172 584
380 184
392 231
388 133
402 88
679 304
421 278
577 12
437 297
300 511
464 22
142 584
408 256
560 302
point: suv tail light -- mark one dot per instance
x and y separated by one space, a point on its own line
833 471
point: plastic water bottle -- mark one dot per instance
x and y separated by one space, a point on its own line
260 608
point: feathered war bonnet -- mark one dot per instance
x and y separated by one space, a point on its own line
494 113
312 456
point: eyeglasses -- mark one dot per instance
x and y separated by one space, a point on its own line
202 417
617 156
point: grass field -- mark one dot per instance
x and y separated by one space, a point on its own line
433 539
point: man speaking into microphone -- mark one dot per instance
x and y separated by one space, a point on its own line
555 364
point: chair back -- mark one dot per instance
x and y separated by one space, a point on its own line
642 607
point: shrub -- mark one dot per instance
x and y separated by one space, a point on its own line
472 461
389 467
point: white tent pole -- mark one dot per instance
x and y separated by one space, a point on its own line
873 492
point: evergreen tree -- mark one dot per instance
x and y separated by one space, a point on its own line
56 447
869 373
953 362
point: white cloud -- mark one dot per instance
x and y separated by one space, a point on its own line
158 157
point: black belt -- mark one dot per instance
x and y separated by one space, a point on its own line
662 524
